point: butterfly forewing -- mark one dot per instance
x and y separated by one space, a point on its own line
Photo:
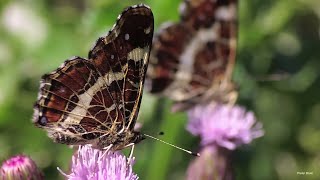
193 59
96 101
125 70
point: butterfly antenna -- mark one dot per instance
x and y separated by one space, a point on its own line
177 147
274 77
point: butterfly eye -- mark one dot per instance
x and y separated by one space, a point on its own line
43 121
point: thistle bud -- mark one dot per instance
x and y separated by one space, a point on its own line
20 167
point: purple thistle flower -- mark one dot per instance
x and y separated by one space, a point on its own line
93 164
223 125
20 167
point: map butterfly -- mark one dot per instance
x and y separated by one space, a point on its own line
192 61
96 100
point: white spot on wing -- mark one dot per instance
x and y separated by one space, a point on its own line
138 53
126 36
226 13
147 30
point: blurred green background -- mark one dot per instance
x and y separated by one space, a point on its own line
278 39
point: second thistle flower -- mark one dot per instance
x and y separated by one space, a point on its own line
223 125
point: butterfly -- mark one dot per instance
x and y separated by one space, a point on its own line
191 61
96 100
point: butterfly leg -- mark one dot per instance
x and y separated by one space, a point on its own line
106 150
233 96
108 147
131 152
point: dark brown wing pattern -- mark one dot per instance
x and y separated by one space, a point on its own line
96 101
192 60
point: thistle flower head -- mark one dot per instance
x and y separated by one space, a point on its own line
223 125
20 167
94 164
